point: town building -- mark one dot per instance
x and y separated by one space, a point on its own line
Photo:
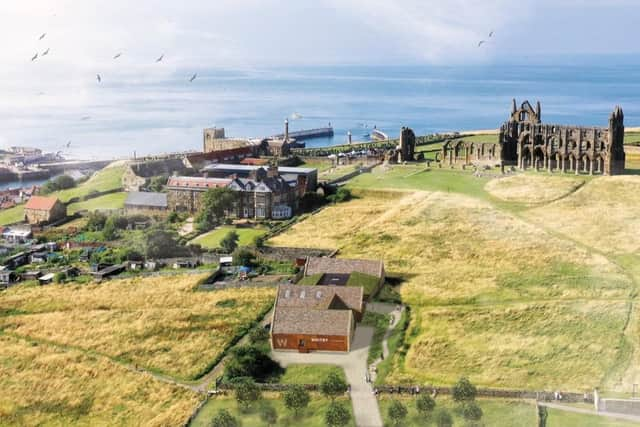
17 234
525 142
198 161
137 174
214 139
324 271
43 210
315 318
184 193
146 203
290 174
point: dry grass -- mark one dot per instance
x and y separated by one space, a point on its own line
461 255
532 189
159 323
603 214
50 386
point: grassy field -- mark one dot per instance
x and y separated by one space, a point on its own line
213 238
557 418
309 374
533 189
109 178
503 413
50 385
109 201
158 323
313 416
493 296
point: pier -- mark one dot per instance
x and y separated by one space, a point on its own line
301 135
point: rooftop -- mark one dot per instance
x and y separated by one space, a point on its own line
249 168
41 203
197 182
141 198
318 265
318 297
287 320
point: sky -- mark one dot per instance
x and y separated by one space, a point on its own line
83 36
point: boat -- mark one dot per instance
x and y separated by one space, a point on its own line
378 135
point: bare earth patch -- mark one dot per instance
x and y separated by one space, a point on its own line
532 189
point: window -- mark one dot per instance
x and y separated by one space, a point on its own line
246 213
260 212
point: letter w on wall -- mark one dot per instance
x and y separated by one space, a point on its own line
282 342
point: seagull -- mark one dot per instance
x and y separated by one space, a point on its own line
85 118
34 57
45 53
42 36
491 34
98 78
481 42
193 77
118 55
160 59
68 144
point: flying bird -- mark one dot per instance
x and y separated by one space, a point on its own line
117 55
491 34
481 42
98 78
193 77
85 118
34 57
160 59
45 53
68 144
42 36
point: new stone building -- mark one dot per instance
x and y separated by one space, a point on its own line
146 203
184 193
315 318
524 141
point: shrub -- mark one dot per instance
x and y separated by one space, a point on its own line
443 418
337 415
268 414
247 392
250 361
224 419
60 277
244 257
229 242
463 390
296 398
333 386
96 221
470 411
258 335
397 412
425 405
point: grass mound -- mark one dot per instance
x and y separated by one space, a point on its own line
532 189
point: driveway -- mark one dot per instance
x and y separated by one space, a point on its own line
354 363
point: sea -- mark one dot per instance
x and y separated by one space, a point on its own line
133 115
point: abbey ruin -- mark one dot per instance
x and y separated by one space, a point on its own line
524 141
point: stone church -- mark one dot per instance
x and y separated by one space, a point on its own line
524 141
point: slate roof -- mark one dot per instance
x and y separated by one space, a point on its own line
248 168
146 199
315 310
197 182
317 265
41 203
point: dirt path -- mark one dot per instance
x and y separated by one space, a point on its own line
395 312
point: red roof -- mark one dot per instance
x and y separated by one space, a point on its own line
41 203
254 161
197 182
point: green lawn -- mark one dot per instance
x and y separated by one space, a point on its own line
310 280
503 413
212 239
109 178
321 165
369 283
631 137
309 374
313 416
558 418
109 201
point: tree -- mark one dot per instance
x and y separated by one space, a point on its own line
337 415
443 418
224 419
247 392
64 181
342 195
397 412
243 257
215 202
425 405
156 183
333 386
96 221
470 410
258 335
296 398
463 390
250 361
109 231
161 244
268 414
229 243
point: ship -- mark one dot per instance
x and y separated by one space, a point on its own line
378 135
